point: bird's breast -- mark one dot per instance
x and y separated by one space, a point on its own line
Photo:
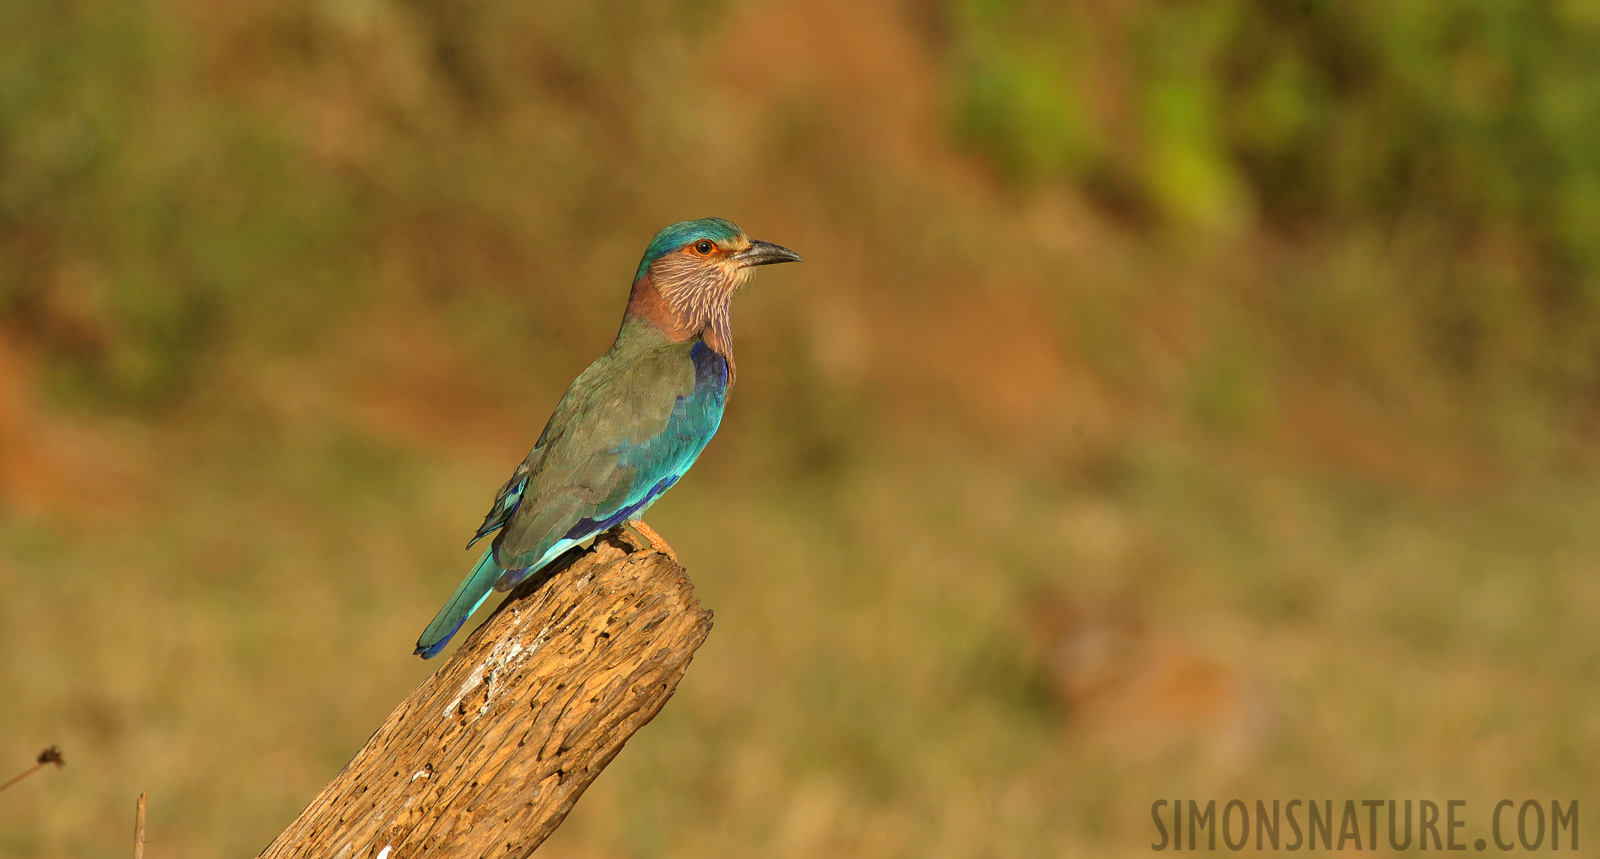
710 369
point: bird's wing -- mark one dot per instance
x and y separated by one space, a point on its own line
506 500
618 440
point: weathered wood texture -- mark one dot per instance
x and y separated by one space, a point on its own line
489 754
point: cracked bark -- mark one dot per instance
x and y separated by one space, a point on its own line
488 755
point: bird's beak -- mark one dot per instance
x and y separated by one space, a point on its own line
764 253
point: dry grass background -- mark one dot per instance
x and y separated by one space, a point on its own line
1022 516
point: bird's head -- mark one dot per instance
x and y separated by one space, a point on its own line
708 254
695 267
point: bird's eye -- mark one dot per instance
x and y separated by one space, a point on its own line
704 247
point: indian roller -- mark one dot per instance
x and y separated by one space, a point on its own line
630 425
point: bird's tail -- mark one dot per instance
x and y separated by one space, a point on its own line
474 589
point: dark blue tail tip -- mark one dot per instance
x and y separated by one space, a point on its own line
429 651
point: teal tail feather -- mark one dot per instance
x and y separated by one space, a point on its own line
474 589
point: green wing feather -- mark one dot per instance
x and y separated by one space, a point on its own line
624 432
577 471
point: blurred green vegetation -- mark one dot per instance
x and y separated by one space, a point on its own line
1454 133
1471 118
1179 399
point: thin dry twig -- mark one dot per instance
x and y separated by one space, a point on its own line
49 756
138 828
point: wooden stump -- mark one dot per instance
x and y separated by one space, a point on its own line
488 755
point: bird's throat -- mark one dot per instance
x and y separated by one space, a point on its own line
686 311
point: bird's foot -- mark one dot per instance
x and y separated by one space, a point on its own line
651 539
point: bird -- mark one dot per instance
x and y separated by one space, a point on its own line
630 425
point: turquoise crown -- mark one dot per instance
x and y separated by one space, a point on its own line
684 232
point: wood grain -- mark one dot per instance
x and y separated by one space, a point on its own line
488 755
